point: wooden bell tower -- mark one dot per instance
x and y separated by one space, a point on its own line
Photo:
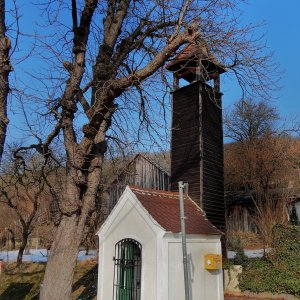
197 134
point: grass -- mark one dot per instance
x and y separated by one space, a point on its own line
23 283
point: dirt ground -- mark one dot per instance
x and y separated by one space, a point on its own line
247 298
231 297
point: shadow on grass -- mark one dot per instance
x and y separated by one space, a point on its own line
16 291
89 282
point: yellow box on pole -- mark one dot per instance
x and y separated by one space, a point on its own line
213 261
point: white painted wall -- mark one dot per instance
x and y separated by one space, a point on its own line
162 267
204 284
128 223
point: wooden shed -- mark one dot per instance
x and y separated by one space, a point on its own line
141 171
140 255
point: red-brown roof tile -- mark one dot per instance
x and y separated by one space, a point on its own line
163 206
189 52
192 52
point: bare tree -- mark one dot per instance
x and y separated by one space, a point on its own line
250 120
21 190
103 59
261 157
261 162
7 227
261 165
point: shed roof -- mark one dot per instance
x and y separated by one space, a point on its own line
164 208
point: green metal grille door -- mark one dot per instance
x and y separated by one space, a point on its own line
127 271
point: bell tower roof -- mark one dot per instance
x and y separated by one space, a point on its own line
195 59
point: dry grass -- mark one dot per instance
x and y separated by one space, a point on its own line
24 282
269 213
250 240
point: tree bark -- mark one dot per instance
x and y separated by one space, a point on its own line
20 254
58 279
25 235
61 264
5 69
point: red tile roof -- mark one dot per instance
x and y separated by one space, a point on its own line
193 52
188 53
163 206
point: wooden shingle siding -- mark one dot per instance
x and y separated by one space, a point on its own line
185 142
141 172
213 181
197 148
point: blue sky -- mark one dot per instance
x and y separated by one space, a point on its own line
282 27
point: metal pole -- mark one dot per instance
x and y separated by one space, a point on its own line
181 186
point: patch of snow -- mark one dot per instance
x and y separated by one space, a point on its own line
81 255
40 255
249 253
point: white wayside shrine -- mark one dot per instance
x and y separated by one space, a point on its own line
140 255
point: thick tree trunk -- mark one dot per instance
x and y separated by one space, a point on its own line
20 254
22 247
61 264
76 204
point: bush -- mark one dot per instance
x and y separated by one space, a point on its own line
240 256
279 271
285 252
262 276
